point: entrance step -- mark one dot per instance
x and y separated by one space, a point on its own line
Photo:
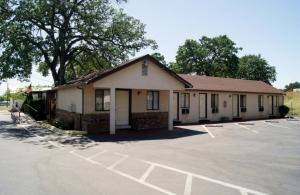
123 127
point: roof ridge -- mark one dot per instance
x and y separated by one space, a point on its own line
222 77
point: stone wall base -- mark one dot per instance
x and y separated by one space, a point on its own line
95 123
71 120
99 123
149 120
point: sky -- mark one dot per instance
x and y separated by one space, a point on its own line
267 27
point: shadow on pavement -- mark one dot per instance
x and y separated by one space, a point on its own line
12 132
143 135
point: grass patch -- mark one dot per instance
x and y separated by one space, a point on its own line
292 100
47 125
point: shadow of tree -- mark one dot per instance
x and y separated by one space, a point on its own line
14 132
123 136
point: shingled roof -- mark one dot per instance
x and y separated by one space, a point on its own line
207 83
97 75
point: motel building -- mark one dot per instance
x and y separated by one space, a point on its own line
144 94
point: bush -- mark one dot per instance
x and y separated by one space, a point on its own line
38 105
59 123
283 110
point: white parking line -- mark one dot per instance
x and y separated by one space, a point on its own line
271 124
142 182
241 189
97 154
147 173
243 192
123 157
208 131
254 131
188 185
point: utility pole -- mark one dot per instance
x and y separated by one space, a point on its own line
6 93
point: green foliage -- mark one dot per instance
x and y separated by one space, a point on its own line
254 67
215 56
59 123
17 95
292 86
38 111
283 110
160 58
60 35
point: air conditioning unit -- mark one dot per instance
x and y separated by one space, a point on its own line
185 111
261 109
215 110
243 109
73 107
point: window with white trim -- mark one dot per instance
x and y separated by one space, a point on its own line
152 100
215 103
185 100
102 99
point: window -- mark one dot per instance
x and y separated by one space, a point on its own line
214 103
144 69
276 101
102 100
185 100
243 103
260 103
153 100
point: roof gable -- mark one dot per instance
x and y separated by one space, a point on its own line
98 75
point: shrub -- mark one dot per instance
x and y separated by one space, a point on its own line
59 123
283 110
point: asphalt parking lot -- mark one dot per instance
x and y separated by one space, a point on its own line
256 157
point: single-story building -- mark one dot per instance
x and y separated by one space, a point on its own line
142 93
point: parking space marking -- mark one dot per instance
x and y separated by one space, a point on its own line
142 182
239 125
243 192
123 157
147 173
188 185
97 154
240 188
271 124
208 131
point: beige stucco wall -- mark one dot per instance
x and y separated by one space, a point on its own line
131 78
89 100
252 107
66 98
138 104
139 101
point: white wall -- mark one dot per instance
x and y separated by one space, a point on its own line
131 78
68 97
226 111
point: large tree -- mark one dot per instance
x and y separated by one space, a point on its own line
291 86
60 35
254 67
215 56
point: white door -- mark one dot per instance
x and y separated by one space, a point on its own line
202 105
175 106
270 105
122 107
235 105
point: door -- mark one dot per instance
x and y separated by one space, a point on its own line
235 105
270 104
202 105
122 107
175 106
